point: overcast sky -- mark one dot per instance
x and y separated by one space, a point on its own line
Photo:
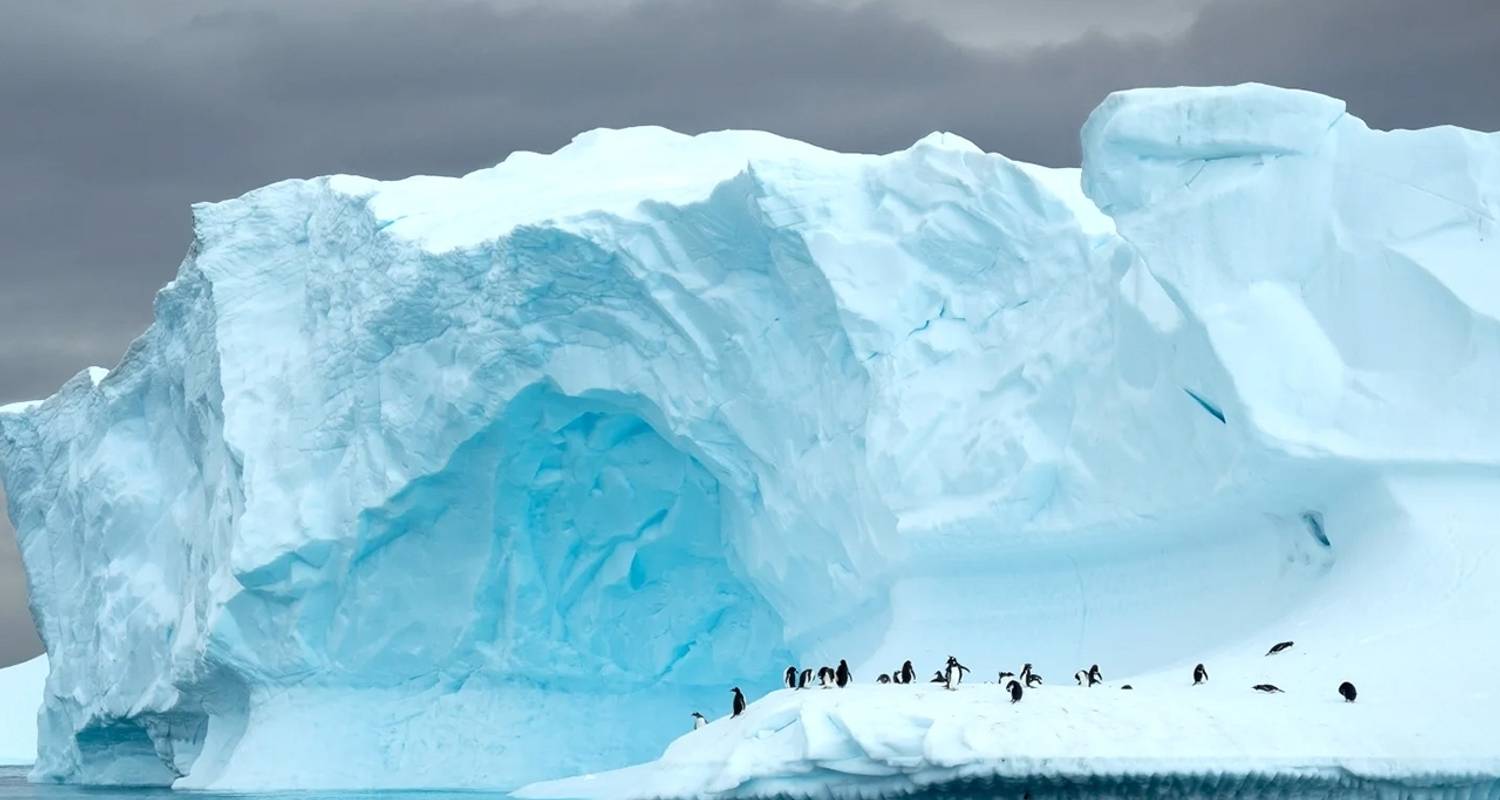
118 116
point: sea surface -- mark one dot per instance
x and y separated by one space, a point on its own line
13 786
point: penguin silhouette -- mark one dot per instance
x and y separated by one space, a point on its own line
1200 675
1015 691
884 678
739 703
842 675
790 678
1278 647
1267 688
1346 689
908 673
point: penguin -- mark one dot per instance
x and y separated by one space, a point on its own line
1267 688
1006 677
1015 691
1082 678
1025 672
884 678
1347 690
1200 675
937 677
699 721
842 676
804 679
1278 647
826 677
790 679
955 673
739 703
1033 680
1095 676
1127 687
908 674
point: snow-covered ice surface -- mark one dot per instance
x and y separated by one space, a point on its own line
20 699
480 481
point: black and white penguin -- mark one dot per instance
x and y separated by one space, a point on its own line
826 677
1095 676
790 679
699 721
1025 675
1006 678
937 677
1200 675
842 675
804 679
955 673
1347 690
1033 680
1278 647
1014 687
1267 688
908 673
739 703
1081 678
884 678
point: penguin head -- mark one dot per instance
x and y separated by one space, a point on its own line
736 690
698 715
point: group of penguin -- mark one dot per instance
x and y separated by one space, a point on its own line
952 674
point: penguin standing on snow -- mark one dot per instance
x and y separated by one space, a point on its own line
1347 690
739 703
804 679
908 673
1029 679
1095 676
955 673
790 679
699 721
1014 687
842 675
1200 675
826 677
1278 647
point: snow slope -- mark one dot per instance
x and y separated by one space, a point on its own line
472 482
21 687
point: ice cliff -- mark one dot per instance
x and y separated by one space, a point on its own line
477 481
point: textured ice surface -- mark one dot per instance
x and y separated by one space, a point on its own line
477 481
20 699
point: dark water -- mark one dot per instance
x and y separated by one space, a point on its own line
13 786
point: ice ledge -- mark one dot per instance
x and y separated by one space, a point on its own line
881 740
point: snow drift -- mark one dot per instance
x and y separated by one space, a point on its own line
478 481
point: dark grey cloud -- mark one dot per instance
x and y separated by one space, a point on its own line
118 116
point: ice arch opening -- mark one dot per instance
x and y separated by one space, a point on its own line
568 574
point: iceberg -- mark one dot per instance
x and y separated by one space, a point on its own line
21 688
480 482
